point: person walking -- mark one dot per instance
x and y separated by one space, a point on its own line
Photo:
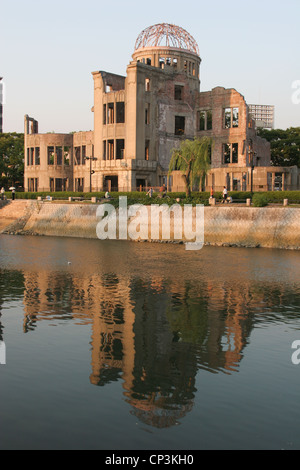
2 193
225 193
163 190
13 194
150 192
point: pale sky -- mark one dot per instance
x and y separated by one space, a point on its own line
49 49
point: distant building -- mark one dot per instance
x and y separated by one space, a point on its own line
263 115
139 118
1 105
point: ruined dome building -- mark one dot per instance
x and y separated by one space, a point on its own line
140 118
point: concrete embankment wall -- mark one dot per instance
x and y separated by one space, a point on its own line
272 227
64 220
15 214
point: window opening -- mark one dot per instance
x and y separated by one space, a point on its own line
231 118
77 156
120 109
110 113
147 147
50 155
104 114
230 153
59 156
179 125
235 117
110 149
178 92
120 144
37 156
104 149
83 154
67 156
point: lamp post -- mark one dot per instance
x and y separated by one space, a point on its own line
251 161
252 168
91 159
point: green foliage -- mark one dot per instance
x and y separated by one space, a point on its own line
11 159
275 197
240 195
285 145
192 158
259 200
60 195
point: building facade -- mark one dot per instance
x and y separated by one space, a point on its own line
264 115
139 118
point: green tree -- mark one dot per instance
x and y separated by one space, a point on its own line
11 159
193 159
285 145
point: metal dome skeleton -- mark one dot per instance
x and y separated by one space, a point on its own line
167 35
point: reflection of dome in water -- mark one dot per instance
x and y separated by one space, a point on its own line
166 35
158 413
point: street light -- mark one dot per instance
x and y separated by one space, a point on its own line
251 161
91 159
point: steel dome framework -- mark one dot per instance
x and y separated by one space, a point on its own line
166 35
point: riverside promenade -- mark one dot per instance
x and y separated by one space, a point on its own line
224 225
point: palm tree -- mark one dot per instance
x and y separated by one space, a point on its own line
192 158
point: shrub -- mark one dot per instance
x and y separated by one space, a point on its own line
275 197
259 200
279 196
240 195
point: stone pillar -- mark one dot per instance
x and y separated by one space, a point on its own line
273 181
100 182
231 181
285 202
283 181
248 202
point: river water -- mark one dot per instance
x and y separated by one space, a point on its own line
122 345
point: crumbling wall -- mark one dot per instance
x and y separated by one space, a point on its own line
112 81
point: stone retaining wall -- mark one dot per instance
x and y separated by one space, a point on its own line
271 227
